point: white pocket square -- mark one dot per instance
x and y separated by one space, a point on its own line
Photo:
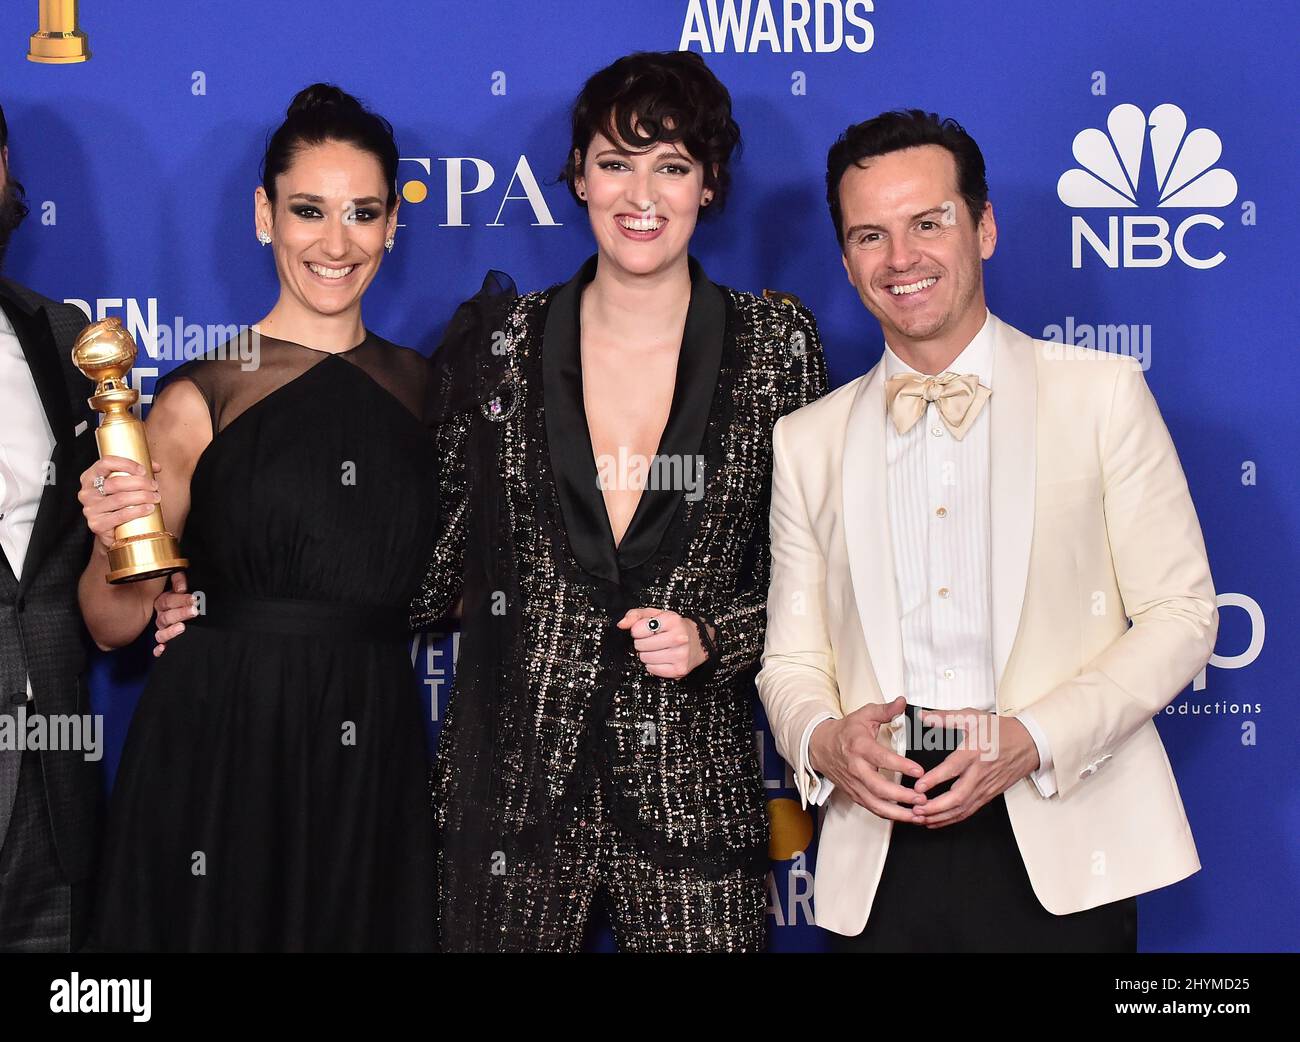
80 428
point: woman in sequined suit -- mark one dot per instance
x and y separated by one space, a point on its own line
607 488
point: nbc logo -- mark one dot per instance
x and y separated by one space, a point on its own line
1110 177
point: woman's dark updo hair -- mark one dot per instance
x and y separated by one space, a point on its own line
658 96
323 112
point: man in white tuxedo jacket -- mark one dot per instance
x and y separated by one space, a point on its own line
987 579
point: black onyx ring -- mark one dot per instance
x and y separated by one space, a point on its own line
653 624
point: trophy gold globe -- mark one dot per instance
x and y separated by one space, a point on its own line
142 548
59 40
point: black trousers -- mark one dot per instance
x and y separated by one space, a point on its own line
964 888
39 910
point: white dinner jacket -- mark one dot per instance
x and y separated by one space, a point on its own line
1103 610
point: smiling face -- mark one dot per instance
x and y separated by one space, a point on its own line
912 250
643 204
327 226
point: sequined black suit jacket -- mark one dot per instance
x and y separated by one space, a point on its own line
562 698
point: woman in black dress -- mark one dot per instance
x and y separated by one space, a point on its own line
270 791
611 495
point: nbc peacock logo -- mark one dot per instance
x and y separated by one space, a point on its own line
1113 175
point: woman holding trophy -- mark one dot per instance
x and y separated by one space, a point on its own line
271 794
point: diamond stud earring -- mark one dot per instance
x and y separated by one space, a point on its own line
388 244
264 238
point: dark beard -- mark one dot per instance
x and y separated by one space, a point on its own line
13 211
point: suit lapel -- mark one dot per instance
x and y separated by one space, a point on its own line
33 330
866 528
568 436
1013 471
37 341
568 439
698 364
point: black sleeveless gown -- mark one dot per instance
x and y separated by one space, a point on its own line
272 794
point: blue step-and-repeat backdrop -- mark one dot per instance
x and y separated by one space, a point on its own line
1141 161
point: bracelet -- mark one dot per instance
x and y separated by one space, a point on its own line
707 642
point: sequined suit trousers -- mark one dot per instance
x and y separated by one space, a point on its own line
547 903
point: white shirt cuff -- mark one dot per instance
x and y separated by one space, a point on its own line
820 788
1044 778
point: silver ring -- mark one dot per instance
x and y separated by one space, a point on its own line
653 624
99 484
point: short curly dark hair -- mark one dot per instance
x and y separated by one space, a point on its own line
653 96
895 131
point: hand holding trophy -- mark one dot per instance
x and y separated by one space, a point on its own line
142 547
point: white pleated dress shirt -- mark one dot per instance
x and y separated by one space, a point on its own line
938 498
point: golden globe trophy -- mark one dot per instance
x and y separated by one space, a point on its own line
143 549
59 40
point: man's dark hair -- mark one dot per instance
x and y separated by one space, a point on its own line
895 131
670 96
13 200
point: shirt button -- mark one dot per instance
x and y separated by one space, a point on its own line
948 674
944 591
937 431
941 512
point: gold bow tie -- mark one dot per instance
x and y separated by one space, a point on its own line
959 399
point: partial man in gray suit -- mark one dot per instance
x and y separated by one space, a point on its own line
49 798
